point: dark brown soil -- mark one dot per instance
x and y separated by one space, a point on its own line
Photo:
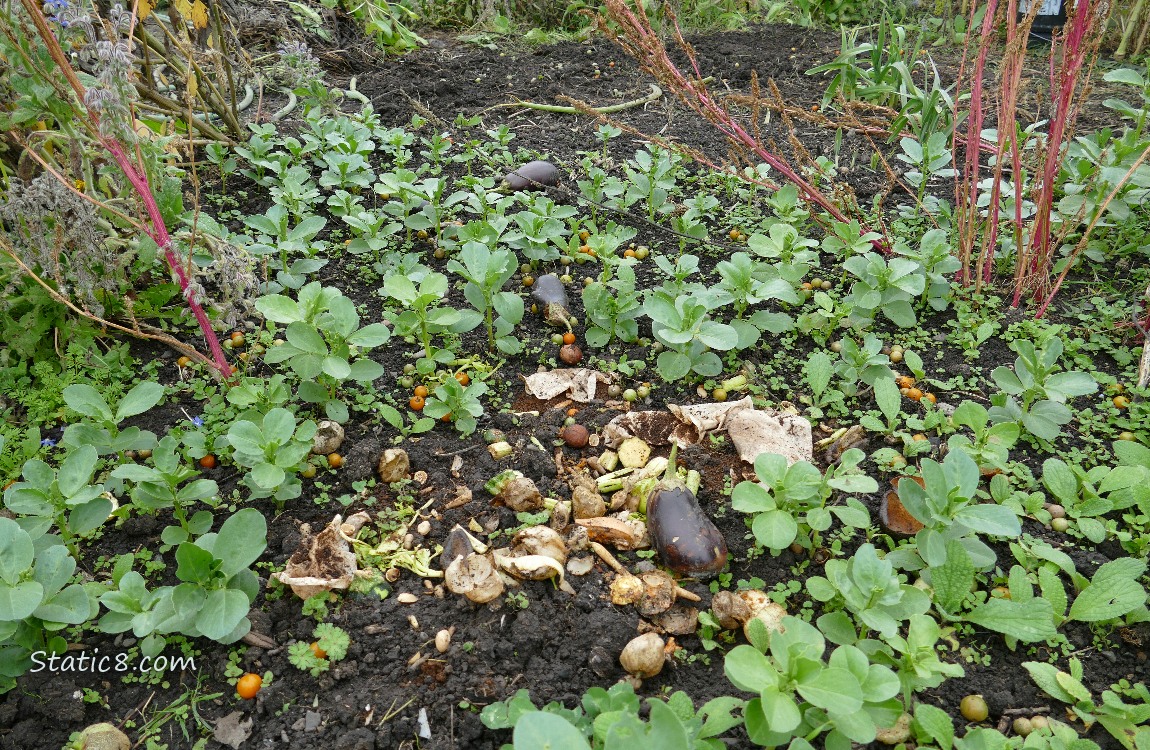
558 645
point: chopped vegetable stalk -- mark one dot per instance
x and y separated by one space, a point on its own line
634 452
609 460
737 383
500 449
612 482
497 483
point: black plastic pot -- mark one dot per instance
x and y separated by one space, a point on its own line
1051 16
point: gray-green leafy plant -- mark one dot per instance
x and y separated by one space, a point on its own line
683 325
486 271
651 179
788 503
324 343
866 364
1087 495
745 282
63 497
37 599
803 694
164 484
990 444
818 373
101 428
887 285
949 510
1125 721
608 719
424 315
460 403
540 230
867 586
613 308
914 657
216 590
1034 393
273 451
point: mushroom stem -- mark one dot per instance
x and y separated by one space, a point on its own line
608 558
690 596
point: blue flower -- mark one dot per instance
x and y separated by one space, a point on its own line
198 421
47 442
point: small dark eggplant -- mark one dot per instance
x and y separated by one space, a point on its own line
687 541
549 292
534 175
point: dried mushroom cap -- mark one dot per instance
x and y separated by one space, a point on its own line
620 534
644 656
521 495
587 503
328 437
730 610
459 543
394 466
678 620
626 589
540 540
658 593
323 561
474 577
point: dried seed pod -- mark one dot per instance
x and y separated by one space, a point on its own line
644 656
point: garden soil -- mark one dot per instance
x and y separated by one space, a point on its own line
394 690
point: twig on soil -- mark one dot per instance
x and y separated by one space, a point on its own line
456 453
655 95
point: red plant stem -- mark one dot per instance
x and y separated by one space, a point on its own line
139 180
652 56
1063 84
1016 38
159 234
967 199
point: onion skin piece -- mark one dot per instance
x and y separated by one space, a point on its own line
534 175
687 541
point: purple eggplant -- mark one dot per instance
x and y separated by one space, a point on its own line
550 293
687 541
534 175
